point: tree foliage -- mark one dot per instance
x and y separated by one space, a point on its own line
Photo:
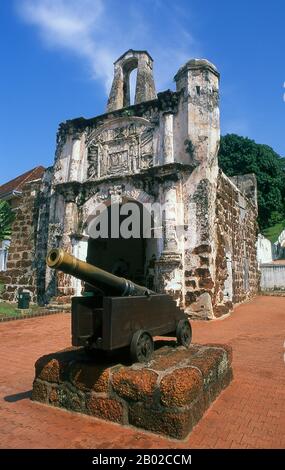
6 219
239 156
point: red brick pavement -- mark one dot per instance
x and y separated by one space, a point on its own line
249 413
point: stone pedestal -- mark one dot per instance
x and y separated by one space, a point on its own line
169 395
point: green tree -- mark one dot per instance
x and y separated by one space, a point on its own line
6 219
240 155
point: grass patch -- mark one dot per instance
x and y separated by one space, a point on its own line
11 310
273 232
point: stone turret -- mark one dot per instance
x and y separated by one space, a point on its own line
145 87
198 81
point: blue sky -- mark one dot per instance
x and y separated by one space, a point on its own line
57 62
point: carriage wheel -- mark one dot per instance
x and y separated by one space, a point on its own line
184 333
141 346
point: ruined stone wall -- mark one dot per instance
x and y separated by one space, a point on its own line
42 211
200 248
198 126
237 275
21 259
161 151
113 156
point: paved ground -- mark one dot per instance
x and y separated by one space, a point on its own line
249 413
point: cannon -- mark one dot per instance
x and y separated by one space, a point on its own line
117 313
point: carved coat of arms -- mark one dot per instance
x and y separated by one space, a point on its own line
124 148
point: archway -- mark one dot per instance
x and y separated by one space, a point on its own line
129 87
132 257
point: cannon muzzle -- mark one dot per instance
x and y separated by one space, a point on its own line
95 277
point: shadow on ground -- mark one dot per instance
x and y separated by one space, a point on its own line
18 396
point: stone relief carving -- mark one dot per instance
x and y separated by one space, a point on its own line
92 157
120 150
146 157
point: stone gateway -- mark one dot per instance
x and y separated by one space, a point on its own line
160 150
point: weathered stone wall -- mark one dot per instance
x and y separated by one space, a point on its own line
21 272
160 151
41 247
26 267
237 275
117 156
163 151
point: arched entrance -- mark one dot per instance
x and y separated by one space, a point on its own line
120 245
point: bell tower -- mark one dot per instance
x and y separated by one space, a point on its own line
145 87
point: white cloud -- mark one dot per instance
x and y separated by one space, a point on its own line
98 31
71 25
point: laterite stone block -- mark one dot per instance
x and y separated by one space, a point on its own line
168 395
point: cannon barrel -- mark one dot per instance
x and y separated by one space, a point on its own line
95 277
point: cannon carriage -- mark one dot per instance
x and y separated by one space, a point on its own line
117 313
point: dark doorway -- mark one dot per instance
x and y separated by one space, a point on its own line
123 257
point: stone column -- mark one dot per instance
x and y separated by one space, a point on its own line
79 250
74 166
63 156
145 86
170 221
168 153
168 268
116 98
65 281
70 223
